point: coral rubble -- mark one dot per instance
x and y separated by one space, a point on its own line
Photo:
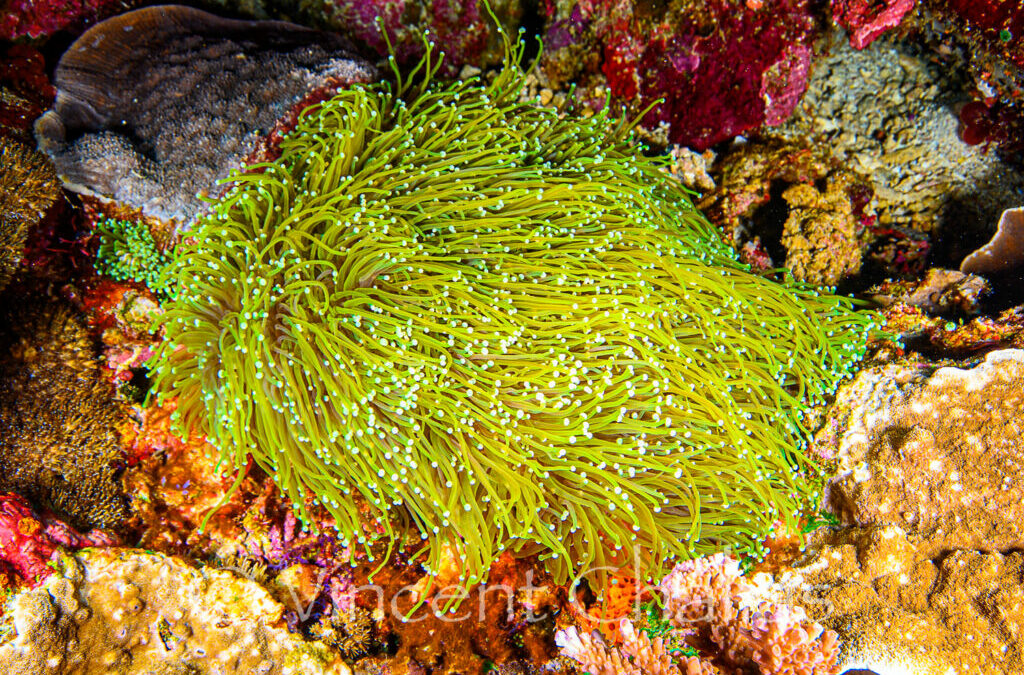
60 444
121 129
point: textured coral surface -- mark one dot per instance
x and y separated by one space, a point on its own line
61 447
129 611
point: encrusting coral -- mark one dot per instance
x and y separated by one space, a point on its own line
821 235
501 327
136 612
59 445
28 186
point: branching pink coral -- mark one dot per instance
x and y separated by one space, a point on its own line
710 597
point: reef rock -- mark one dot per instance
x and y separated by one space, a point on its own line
155 106
134 612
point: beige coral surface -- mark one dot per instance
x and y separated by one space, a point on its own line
131 612
926 576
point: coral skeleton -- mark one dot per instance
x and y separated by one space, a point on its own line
500 327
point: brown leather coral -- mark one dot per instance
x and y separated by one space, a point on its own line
155 105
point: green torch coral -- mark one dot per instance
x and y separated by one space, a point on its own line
501 326
128 252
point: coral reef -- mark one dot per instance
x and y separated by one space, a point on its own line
637 655
923 573
128 252
1004 252
898 610
60 445
459 28
28 187
120 128
502 327
730 621
744 180
28 541
134 613
710 598
941 292
791 202
710 71
990 34
505 621
932 452
25 91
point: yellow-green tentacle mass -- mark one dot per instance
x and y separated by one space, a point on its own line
500 327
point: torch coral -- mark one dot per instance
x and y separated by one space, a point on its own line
505 328
129 252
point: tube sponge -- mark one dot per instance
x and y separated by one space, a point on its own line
500 326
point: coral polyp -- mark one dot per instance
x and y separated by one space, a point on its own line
499 326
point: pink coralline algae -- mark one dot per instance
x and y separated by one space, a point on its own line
711 72
867 19
28 541
39 18
457 27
